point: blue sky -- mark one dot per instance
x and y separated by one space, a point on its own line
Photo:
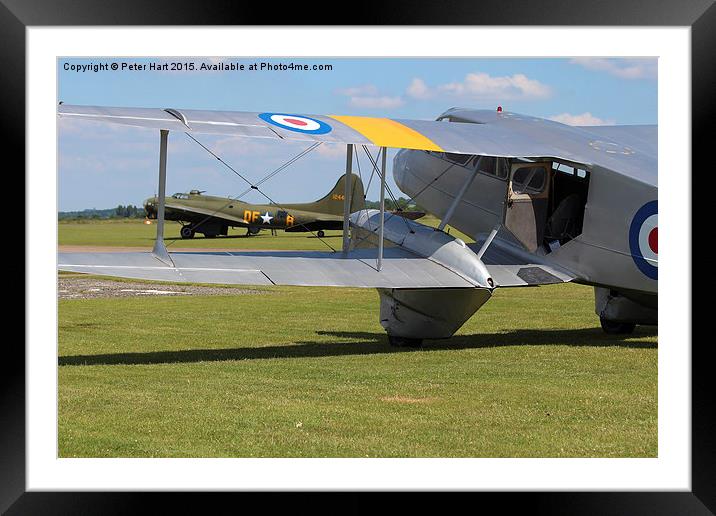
101 166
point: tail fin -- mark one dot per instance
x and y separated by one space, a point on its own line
332 203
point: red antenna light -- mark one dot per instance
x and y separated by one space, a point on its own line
499 109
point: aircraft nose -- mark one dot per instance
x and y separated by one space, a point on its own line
150 207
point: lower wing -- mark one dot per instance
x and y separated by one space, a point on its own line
400 268
417 256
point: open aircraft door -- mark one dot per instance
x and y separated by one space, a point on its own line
527 203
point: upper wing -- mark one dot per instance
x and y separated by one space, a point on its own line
641 137
490 134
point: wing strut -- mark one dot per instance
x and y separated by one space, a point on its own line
160 250
347 197
384 150
488 241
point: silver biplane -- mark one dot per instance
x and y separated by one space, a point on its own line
545 202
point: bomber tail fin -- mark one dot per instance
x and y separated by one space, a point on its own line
332 203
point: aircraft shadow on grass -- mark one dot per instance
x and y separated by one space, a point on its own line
368 343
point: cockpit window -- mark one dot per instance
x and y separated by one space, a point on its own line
529 179
456 119
492 166
180 196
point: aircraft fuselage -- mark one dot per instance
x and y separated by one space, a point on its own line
613 245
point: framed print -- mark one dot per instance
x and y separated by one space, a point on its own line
305 392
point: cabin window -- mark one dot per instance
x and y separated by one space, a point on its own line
485 164
503 168
572 171
491 166
529 179
459 159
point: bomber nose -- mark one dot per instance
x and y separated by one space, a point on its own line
150 207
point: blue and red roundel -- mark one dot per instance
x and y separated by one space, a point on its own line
643 239
297 123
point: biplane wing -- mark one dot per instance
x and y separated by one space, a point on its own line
418 257
495 134
499 134
510 267
401 268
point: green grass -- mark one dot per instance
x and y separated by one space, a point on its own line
134 233
299 372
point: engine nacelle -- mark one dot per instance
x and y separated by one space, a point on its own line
413 314
422 240
431 313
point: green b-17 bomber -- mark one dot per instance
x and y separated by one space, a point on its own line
212 216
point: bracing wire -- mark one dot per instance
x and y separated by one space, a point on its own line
256 186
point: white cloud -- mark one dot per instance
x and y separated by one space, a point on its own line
376 102
363 90
368 96
625 68
331 150
584 119
418 89
233 147
483 86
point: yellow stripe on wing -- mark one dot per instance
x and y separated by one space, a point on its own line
385 132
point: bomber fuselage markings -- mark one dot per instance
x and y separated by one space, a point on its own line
256 217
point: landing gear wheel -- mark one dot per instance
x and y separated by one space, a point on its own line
616 328
252 231
404 342
321 233
186 232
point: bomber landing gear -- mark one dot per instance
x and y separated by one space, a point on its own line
186 232
404 342
321 233
616 328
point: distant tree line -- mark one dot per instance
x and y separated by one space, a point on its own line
120 212
402 203
128 212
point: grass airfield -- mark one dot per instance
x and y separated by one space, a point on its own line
134 233
308 372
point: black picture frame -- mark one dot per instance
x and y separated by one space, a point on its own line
17 15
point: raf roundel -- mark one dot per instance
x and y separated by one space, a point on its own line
297 123
643 239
